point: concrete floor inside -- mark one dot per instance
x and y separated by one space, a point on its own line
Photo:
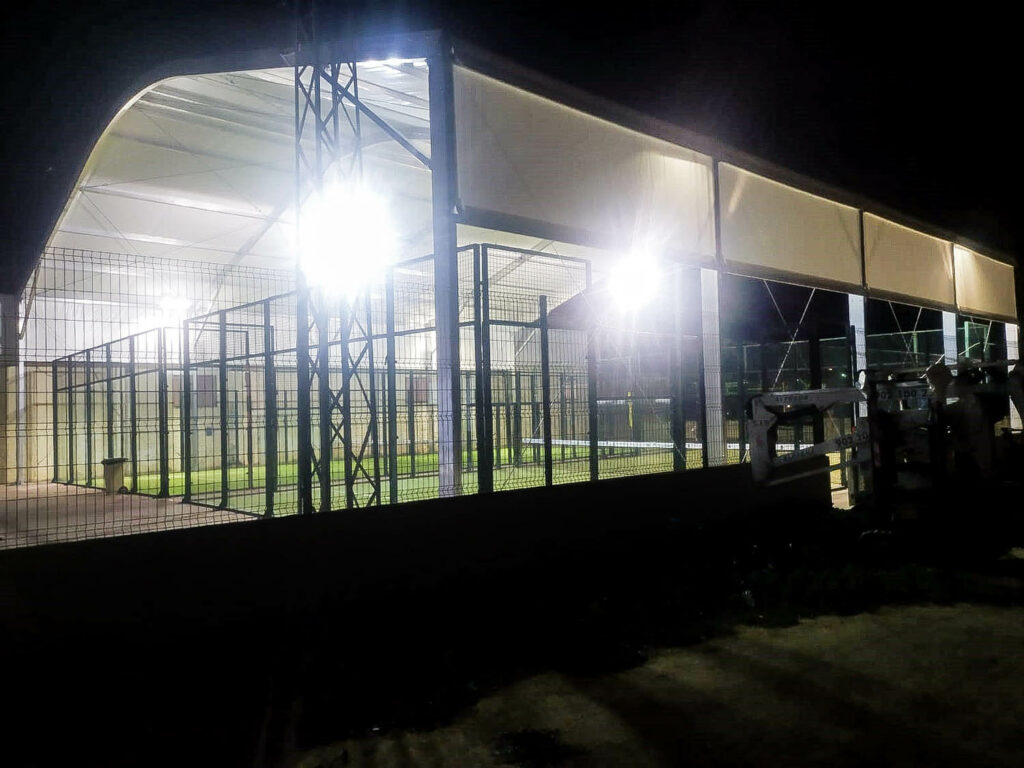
48 513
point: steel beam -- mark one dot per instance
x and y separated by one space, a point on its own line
446 269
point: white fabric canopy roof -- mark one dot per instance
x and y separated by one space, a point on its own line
202 167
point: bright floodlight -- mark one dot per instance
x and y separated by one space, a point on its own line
346 239
635 281
173 309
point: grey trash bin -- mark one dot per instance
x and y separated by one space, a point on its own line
113 475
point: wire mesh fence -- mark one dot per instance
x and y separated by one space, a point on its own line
184 397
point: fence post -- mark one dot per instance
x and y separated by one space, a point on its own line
392 385
510 445
677 388
742 392
324 402
186 411
133 426
371 375
270 405
410 407
516 438
88 418
248 410
592 436
56 418
162 413
562 426
545 388
814 361
347 319
468 386
110 402
222 371
484 411
71 423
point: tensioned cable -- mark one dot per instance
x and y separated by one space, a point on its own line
796 331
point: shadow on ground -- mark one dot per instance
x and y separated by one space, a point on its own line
562 658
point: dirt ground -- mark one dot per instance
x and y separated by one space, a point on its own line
915 685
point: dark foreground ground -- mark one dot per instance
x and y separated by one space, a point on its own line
774 636
910 685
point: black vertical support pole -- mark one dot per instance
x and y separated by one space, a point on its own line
511 409
516 438
133 416
851 377
71 423
270 406
347 375
487 384
677 420
248 411
765 386
482 349
563 428
325 398
88 418
545 386
371 376
56 426
186 410
162 438
742 392
303 401
702 415
410 405
535 417
392 384
440 79
110 402
592 436
222 371
572 415
814 360
469 386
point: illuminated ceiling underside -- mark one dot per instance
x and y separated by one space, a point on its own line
202 167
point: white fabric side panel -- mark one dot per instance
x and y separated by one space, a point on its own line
908 263
769 225
984 286
525 156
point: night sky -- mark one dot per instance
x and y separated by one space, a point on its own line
914 108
